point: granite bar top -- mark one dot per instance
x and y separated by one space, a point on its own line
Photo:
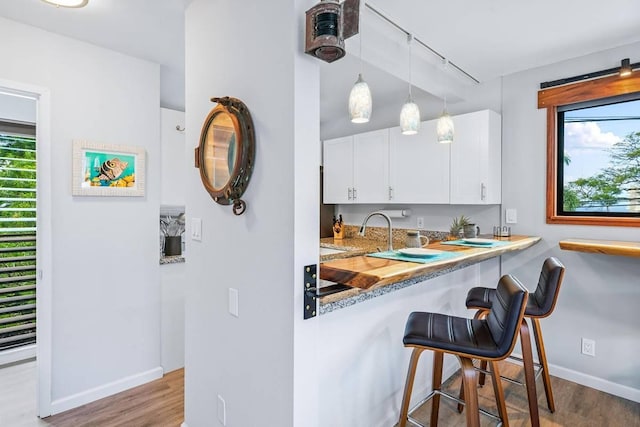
372 277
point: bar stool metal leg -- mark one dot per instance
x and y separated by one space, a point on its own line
542 357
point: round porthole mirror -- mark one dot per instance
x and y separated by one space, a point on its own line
226 152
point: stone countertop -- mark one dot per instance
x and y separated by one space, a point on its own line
375 240
371 277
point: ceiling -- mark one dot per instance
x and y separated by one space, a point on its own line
486 38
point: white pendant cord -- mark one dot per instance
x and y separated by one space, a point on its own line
409 39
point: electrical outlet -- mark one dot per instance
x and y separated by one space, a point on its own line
511 216
222 411
420 221
588 347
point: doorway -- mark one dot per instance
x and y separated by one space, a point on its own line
25 233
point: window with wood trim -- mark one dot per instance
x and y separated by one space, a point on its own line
593 151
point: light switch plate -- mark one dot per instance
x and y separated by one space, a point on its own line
233 301
196 229
222 411
511 216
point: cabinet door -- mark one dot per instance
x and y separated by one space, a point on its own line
469 160
419 167
338 170
371 167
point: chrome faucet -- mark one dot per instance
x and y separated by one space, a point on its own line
385 216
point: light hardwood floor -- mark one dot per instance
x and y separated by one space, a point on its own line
576 405
157 404
160 404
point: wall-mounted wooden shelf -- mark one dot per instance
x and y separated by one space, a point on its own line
607 247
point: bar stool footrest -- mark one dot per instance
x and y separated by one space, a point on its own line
451 397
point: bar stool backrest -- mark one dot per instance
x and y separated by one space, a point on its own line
543 300
506 313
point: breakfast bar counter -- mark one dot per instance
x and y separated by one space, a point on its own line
368 277
607 247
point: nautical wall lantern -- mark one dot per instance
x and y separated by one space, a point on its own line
329 24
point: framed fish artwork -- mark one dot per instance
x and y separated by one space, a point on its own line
107 170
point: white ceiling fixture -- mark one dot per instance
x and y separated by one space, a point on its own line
67 3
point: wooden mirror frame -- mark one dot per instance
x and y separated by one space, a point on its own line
551 99
239 177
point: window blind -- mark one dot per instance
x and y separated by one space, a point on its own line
17 241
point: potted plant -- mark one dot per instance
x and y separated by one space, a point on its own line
457 225
172 228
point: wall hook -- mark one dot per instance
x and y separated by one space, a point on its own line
179 129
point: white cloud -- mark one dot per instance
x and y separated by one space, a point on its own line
587 136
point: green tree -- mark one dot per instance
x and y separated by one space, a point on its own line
616 183
570 199
600 190
17 181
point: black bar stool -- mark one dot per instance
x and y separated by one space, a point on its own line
491 339
540 304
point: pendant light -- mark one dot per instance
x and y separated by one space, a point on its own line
444 127
410 113
360 102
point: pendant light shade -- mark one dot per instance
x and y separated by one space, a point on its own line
410 112
445 128
67 3
410 118
360 102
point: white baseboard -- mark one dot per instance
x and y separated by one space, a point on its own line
619 390
18 354
91 395
587 380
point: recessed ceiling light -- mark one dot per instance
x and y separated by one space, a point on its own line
67 3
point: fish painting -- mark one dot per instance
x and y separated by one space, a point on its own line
112 169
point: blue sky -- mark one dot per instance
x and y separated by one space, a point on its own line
587 142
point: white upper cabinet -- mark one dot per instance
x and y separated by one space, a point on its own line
476 159
371 166
385 166
419 167
338 170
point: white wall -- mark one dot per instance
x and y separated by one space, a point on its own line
106 301
172 283
600 295
262 362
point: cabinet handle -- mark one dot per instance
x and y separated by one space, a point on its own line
355 194
390 193
349 193
483 191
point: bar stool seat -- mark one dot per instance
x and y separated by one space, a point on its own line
540 304
491 339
